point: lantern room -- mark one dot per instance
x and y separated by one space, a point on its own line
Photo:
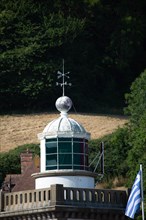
64 151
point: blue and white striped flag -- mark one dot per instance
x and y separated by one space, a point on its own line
134 201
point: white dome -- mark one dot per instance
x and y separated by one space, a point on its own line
64 124
64 127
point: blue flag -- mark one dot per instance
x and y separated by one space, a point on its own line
134 201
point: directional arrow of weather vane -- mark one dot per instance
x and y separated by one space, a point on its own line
63 83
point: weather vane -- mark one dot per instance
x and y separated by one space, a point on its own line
63 75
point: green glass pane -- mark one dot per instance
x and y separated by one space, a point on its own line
51 148
78 167
78 147
86 160
51 160
64 139
86 148
64 147
52 144
78 140
65 159
51 167
78 159
65 167
87 168
51 140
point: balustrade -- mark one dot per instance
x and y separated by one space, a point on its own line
26 199
95 197
59 195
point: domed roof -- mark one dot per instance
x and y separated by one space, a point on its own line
64 126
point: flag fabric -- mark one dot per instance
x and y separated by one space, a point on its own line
134 201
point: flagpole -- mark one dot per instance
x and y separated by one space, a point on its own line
142 199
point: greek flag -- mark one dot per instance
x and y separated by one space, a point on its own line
134 201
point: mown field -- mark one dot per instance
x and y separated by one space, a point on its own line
17 130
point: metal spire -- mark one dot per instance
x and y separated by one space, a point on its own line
64 83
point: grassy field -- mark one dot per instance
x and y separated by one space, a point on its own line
17 130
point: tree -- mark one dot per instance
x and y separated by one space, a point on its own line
136 108
136 105
32 41
102 42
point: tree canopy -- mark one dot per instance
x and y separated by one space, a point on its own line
137 138
102 42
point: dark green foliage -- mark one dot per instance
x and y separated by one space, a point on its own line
136 100
116 151
103 44
31 40
137 136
